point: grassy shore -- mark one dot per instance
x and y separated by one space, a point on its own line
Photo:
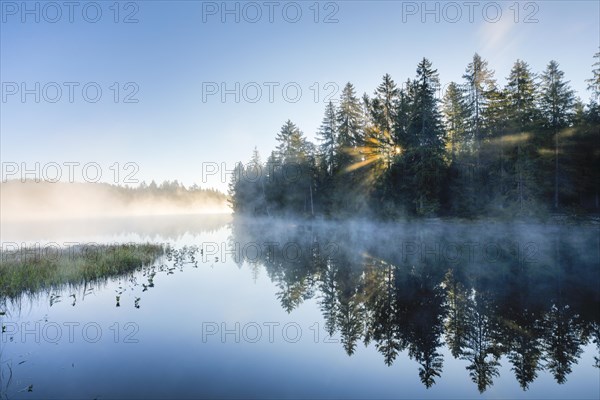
33 269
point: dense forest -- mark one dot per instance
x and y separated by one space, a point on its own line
529 148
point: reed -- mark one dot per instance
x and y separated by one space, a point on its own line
31 270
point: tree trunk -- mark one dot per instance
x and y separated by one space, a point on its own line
556 170
520 177
312 207
502 176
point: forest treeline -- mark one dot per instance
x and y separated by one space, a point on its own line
30 200
173 190
529 148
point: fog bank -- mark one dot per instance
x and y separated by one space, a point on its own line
43 200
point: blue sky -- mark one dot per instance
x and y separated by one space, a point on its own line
177 50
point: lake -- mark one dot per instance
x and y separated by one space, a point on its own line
258 308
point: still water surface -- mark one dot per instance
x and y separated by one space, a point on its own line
282 309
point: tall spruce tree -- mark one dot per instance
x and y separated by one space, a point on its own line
523 115
557 106
455 113
293 171
521 91
594 88
479 85
349 117
497 169
327 159
384 104
594 81
425 125
403 114
350 135
327 135
460 191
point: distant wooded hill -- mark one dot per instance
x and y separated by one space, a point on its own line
32 200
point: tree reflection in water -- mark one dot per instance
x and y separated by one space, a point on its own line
524 293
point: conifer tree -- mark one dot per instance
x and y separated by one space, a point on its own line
523 115
479 84
384 104
327 135
556 105
425 126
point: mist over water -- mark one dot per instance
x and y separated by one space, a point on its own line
428 308
32 201
170 228
299 200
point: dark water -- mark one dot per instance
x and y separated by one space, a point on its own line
272 309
